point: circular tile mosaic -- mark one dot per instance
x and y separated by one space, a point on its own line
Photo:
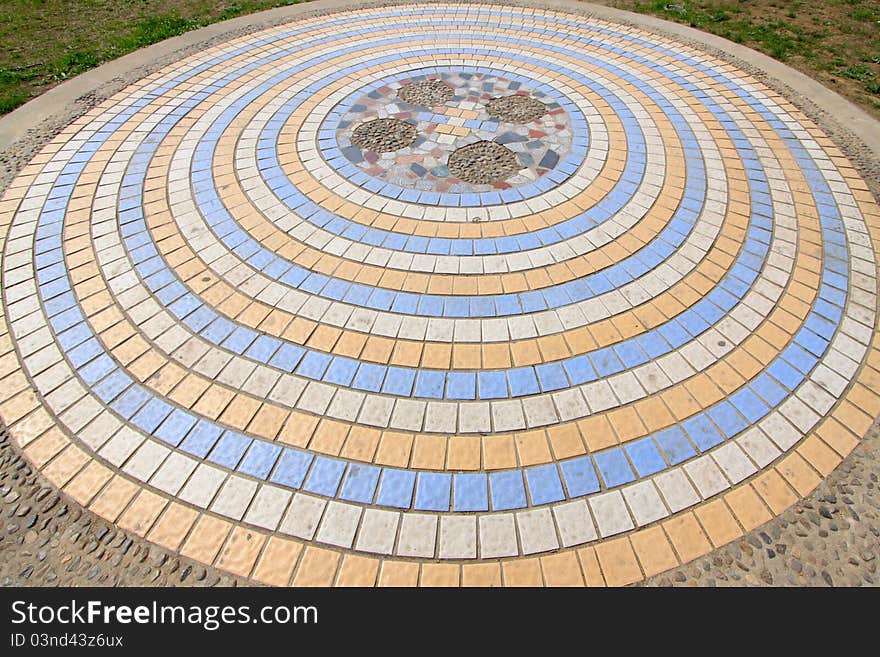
440 291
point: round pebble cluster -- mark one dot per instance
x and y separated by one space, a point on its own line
383 135
427 93
516 109
483 162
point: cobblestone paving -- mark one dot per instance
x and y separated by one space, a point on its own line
274 364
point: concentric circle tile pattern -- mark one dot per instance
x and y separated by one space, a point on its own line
233 330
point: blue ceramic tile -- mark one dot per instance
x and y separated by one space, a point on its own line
175 427
324 476
130 401
399 381
396 488
430 384
726 417
551 377
341 371
614 467
229 449
492 385
151 415
645 457
260 458
369 377
292 468
461 385
201 438
470 492
523 382
313 365
702 432
508 491
433 491
544 484
360 483
580 476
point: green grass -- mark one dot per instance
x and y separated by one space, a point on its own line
48 44
836 41
10 101
778 38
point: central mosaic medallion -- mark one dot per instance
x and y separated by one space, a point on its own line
524 128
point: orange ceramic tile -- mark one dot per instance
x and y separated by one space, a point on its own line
90 480
719 523
317 567
597 432
562 569
522 572
838 436
748 508
798 474
653 550
463 453
774 491
205 539
532 447
482 575
357 571
240 553
440 574
395 449
172 526
819 455
499 452
142 512
618 562
687 537
590 567
429 452
115 496
65 465
399 573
